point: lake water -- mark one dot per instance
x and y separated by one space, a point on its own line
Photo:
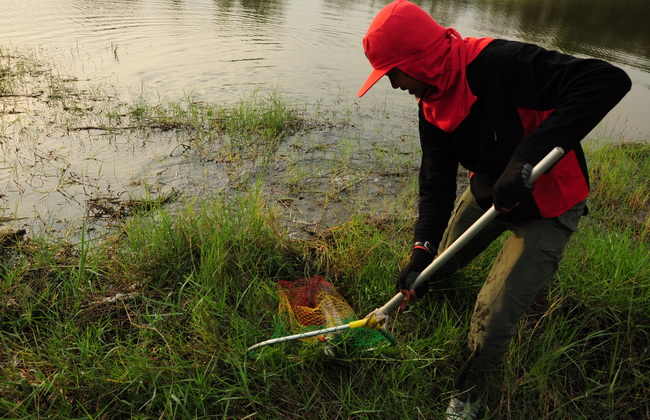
309 51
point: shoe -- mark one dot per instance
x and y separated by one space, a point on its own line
461 410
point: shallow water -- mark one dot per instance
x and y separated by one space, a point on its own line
219 50
308 51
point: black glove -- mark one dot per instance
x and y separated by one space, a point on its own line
512 187
421 257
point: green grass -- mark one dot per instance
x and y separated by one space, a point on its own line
620 186
155 322
252 122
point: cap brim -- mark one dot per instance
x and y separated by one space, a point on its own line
375 75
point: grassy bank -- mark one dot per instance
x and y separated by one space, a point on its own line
154 322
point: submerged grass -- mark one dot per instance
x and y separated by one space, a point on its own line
155 321
61 138
253 120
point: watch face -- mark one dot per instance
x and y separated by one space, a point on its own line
425 244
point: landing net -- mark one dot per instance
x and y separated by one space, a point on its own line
312 304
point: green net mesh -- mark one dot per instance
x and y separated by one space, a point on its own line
311 304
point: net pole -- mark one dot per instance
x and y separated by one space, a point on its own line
545 164
374 319
299 336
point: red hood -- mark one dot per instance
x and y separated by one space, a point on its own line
404 36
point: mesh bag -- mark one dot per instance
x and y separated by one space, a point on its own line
311 304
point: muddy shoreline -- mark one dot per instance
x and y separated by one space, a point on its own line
75 157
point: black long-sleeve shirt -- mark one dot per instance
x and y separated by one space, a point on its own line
506 76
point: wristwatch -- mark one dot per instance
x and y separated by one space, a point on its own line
425 245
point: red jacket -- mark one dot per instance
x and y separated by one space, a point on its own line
495 101
529 100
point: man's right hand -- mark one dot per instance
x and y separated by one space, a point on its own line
421 257
512 187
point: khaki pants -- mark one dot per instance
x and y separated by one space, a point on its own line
526 263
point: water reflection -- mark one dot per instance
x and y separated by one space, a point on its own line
219 50
613 30
267 8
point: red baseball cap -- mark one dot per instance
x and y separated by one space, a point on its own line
399 33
